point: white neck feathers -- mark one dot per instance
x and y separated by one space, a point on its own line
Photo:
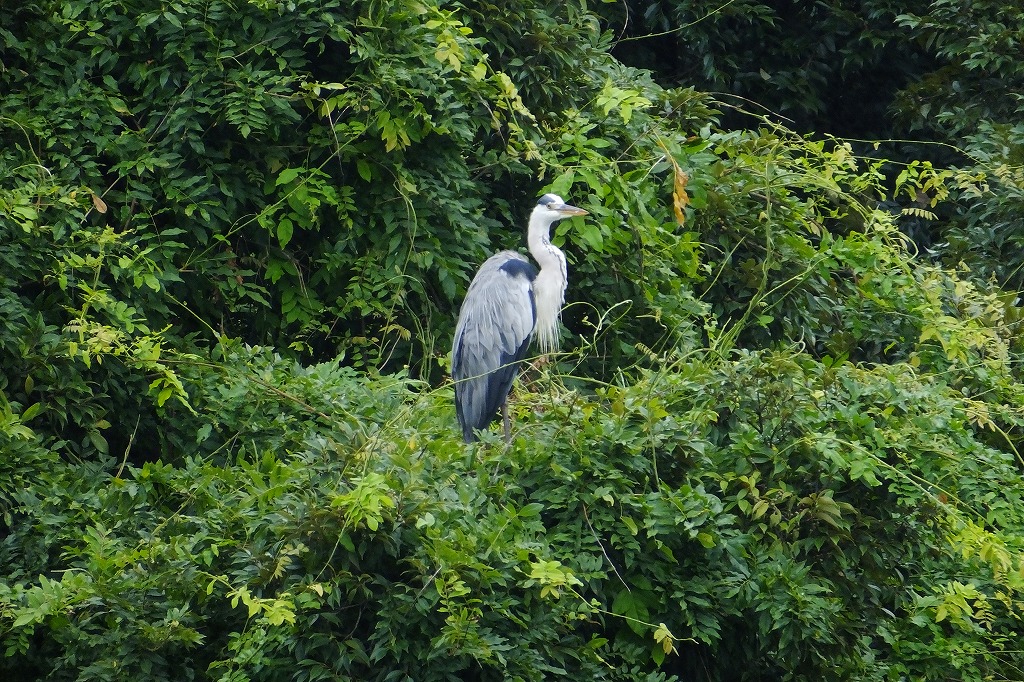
549 287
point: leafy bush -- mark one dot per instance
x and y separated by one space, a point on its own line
778 445
763 512
832 66
970 101
978 76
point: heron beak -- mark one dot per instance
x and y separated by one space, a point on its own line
567 210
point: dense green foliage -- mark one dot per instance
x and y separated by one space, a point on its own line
779 444
945 73
833 65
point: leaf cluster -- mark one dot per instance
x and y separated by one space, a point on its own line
767 510
779 444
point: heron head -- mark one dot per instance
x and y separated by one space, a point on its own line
556 208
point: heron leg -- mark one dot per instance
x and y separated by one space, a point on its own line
505 419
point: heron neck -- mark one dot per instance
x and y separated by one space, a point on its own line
538 239
549 285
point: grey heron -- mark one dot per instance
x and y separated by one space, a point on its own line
508 302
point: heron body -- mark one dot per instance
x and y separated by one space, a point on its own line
508 302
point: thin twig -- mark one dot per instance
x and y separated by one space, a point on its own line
611 563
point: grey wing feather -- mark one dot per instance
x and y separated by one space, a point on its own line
491 338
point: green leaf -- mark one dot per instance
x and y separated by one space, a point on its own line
531 510
285 229
288 175
630 605
98 442
591 234
31 411
365 172
563 183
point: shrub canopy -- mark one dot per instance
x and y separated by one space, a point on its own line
782 440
